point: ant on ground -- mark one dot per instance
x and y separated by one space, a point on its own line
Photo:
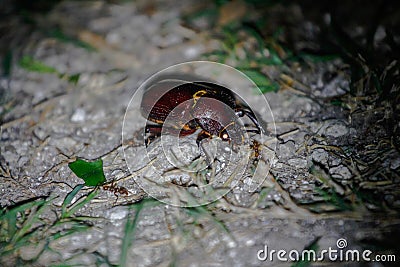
116 189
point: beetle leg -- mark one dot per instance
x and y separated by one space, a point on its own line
189 128
154 130
252 117
257 131
202 135
187 132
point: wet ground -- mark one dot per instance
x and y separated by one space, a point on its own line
325 171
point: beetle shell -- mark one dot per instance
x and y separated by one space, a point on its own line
167 100
194 105
216 118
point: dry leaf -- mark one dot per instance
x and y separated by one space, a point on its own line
231 11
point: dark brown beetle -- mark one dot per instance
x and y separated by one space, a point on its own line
196 105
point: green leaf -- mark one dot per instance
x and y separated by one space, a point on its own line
31 64
262 81
91 172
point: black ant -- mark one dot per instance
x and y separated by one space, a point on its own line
116 189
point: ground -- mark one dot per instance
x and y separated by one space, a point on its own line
327 170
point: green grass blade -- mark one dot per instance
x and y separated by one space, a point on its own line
59 35
131 227
69 197
80 204
9 218
77 228
74 78
30 64
7 63
33 217
332 197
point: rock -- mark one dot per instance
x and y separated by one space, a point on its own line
79 115
340 172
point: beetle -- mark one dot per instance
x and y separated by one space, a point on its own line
191 106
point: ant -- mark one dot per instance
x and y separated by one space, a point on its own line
116 189
256 146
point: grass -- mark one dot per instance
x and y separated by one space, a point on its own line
328 191
249 61
30 64
330 196
26 11
354 198
68 212
245 45
374 71
197 214
17 224
131 227
59 35
28 223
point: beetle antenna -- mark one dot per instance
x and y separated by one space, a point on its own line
226 127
